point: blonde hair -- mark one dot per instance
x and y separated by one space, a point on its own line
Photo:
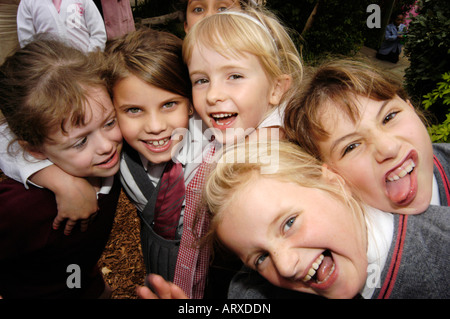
337 81
46 85
253 31
292 165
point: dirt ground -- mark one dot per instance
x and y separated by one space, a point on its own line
122 263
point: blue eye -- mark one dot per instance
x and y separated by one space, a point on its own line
169 105
133 110
200 81
235 76
261 259
289 224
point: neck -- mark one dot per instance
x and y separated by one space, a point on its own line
96 182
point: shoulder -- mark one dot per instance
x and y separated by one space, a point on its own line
21 204
442 148
26 216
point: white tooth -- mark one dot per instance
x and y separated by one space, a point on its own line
315 266
409 168
307 278
161 142
311 272
402 173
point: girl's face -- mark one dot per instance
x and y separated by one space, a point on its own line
148 116
387 155
301 239
92 150
199 9
231 94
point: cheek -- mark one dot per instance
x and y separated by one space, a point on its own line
128 128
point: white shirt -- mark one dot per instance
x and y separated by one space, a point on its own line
14 162
380 230
79 22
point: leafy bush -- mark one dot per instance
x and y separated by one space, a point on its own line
428 48
441 94
337 27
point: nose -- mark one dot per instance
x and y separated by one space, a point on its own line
215 93
154 123
105 143
210 11
386 146
285 262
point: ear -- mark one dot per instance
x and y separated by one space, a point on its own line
32 150
334 178
280 86
190 109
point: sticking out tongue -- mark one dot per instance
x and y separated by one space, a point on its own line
398 190
325 268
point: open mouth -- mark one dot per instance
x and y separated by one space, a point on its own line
399 182
111 161
158 143
321 269
223 119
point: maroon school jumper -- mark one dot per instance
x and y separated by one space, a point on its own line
34 258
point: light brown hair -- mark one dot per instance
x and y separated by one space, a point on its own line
45 86
335 82
152 56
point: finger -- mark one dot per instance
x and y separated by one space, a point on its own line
145 293
84 224
57 222
159 286
177 293
70 224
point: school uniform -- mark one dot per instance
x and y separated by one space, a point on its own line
37 261
418 259
78 21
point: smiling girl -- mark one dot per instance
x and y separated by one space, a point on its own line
242 66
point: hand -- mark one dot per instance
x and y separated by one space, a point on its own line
162 289
76 198
77 203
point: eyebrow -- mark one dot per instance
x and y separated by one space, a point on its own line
223 68
383 106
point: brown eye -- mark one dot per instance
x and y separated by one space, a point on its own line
389 117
